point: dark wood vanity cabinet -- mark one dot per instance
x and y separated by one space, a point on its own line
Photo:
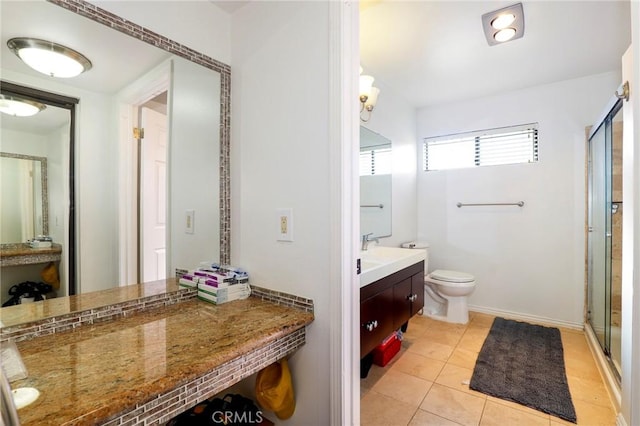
387 304
408 299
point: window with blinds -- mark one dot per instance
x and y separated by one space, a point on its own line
506 145
375 161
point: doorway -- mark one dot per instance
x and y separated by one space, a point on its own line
152 189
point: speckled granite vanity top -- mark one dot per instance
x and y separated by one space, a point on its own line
57 307
22 254
97 372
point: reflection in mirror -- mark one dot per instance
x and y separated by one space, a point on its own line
375 184
47 137
23 196
106 163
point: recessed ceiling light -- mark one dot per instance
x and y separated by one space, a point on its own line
504 24
505 35
503 21
49 58
13 105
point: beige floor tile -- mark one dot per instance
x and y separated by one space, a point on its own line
423 418
590 391
430 353
516 406
431 349
589 415
403 387
380 410
419 366
481 320
581 365
463 358
457 378
500 415
375 374
446 337
454 405
473 338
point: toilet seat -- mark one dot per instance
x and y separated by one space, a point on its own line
451 276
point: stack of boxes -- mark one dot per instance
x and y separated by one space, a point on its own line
217 284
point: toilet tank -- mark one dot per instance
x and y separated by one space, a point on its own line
420 246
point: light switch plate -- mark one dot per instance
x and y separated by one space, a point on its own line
285 224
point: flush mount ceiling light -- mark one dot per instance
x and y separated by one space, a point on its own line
49 58
503 24
368 96
13 105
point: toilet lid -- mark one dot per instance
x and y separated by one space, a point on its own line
452 276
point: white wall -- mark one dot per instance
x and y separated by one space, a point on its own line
280 159
526 260
395 119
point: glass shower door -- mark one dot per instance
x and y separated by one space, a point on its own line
599 241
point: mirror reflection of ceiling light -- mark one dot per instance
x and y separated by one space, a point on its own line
49 58
13 105
368 96
503 24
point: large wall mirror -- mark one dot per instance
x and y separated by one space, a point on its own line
23 196
375 184
130 81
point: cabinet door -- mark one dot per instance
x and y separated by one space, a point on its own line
401 303
376 320
417 290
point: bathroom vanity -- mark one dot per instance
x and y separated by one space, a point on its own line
154 357
393 296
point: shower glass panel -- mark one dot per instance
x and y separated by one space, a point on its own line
605 234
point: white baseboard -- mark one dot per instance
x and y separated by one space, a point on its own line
620 420
526 317
610 382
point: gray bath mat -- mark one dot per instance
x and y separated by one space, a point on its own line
524 363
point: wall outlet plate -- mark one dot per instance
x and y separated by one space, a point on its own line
285 224
189 221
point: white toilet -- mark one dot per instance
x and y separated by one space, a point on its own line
445 291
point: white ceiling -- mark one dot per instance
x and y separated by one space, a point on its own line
434 52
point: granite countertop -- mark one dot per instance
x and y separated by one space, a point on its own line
22 254
32 312
97 372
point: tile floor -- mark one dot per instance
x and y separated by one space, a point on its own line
423 385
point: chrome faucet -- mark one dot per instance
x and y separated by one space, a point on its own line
366 240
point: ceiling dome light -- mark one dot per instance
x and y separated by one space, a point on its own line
504 35
12 105
503 21
49 58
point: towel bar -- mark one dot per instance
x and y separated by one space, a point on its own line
519 204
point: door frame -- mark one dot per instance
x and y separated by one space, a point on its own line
128 102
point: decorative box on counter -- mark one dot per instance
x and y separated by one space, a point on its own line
217 284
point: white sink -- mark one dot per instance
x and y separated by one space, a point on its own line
378 262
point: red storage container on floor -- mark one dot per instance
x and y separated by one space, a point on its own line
385 351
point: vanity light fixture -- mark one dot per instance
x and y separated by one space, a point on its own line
47 57
18 107
503 24
368 96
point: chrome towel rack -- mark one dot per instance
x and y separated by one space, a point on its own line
378 206
519 204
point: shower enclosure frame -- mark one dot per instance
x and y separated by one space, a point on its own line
599 232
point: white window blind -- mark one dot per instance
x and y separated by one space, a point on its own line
507 145
375 161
